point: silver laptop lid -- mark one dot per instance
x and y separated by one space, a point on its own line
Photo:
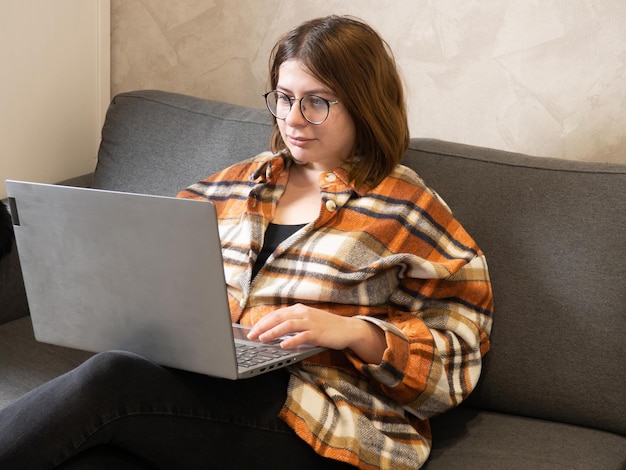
108 270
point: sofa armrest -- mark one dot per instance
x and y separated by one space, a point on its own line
12 295
13 303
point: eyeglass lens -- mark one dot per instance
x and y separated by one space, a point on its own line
314 109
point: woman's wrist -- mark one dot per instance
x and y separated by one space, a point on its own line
368 341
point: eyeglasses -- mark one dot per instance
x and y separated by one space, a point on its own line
315 109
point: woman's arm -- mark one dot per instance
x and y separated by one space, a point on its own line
435 351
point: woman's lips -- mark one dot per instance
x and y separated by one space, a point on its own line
299 141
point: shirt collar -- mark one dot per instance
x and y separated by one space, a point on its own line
270 165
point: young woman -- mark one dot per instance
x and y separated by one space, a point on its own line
328 239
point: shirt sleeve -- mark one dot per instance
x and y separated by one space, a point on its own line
437 329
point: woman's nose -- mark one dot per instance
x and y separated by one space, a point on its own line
295 116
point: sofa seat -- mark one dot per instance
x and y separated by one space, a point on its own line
472 439
26 363
464 438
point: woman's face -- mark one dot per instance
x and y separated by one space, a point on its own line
323 146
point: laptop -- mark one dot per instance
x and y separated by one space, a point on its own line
107 270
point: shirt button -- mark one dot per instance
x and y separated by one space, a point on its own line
331 177
331 206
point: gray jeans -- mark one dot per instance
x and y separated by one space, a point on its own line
119 410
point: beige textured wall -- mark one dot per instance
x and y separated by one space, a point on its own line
54 87
545 77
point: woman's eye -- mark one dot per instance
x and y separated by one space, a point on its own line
317 102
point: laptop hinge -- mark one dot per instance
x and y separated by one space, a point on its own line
13 209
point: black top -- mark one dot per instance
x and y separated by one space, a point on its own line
274 236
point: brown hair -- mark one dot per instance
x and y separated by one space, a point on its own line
353 60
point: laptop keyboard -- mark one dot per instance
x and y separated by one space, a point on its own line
253 355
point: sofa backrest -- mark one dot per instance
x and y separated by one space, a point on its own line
155 142
552 230
553 233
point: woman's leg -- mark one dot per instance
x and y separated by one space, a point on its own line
164 417
104 458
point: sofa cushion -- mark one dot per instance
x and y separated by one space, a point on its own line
471 439
155 142
553 232
25 363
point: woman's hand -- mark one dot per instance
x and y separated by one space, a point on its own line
307 325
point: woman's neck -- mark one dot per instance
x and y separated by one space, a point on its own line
300 202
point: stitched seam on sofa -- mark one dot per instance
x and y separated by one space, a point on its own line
215 116
614 168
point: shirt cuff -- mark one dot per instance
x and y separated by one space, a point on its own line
390 372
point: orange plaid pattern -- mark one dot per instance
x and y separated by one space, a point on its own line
394 255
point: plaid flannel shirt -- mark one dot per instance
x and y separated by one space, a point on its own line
393 255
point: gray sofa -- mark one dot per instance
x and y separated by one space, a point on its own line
552 393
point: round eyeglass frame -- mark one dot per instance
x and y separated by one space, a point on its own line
302 109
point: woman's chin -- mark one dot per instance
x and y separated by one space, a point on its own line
301 157
299 162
